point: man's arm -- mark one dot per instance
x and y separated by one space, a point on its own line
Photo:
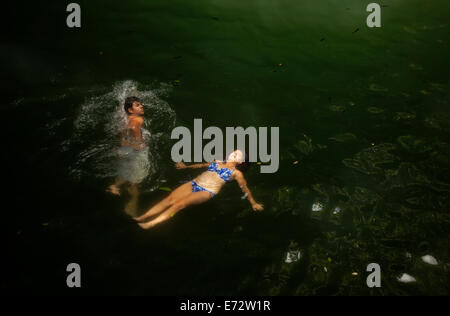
239 177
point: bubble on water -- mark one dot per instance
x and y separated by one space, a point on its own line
292 256
336 210
317 207
429 259
406 278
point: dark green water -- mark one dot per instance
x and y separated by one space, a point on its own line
364 111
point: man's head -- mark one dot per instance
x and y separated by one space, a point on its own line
134 106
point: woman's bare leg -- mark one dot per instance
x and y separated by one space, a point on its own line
191 199
177 194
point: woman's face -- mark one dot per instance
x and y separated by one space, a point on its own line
236 156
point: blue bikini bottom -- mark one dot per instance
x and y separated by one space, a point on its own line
197 188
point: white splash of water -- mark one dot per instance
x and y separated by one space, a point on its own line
102 118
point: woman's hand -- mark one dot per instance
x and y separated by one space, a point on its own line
180 165
257 207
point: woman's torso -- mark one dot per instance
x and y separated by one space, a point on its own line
214 178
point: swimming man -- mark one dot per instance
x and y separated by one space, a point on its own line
133 154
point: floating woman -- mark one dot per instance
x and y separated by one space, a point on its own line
201 189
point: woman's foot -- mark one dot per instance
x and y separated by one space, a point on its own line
114 189
146 225
139 218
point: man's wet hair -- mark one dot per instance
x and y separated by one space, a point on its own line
129 103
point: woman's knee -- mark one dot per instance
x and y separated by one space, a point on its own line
171 199
178 205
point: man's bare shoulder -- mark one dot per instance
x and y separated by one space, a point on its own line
136 121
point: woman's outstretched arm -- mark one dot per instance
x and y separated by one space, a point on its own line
239 177
181 165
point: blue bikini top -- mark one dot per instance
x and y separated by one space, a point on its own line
224 173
